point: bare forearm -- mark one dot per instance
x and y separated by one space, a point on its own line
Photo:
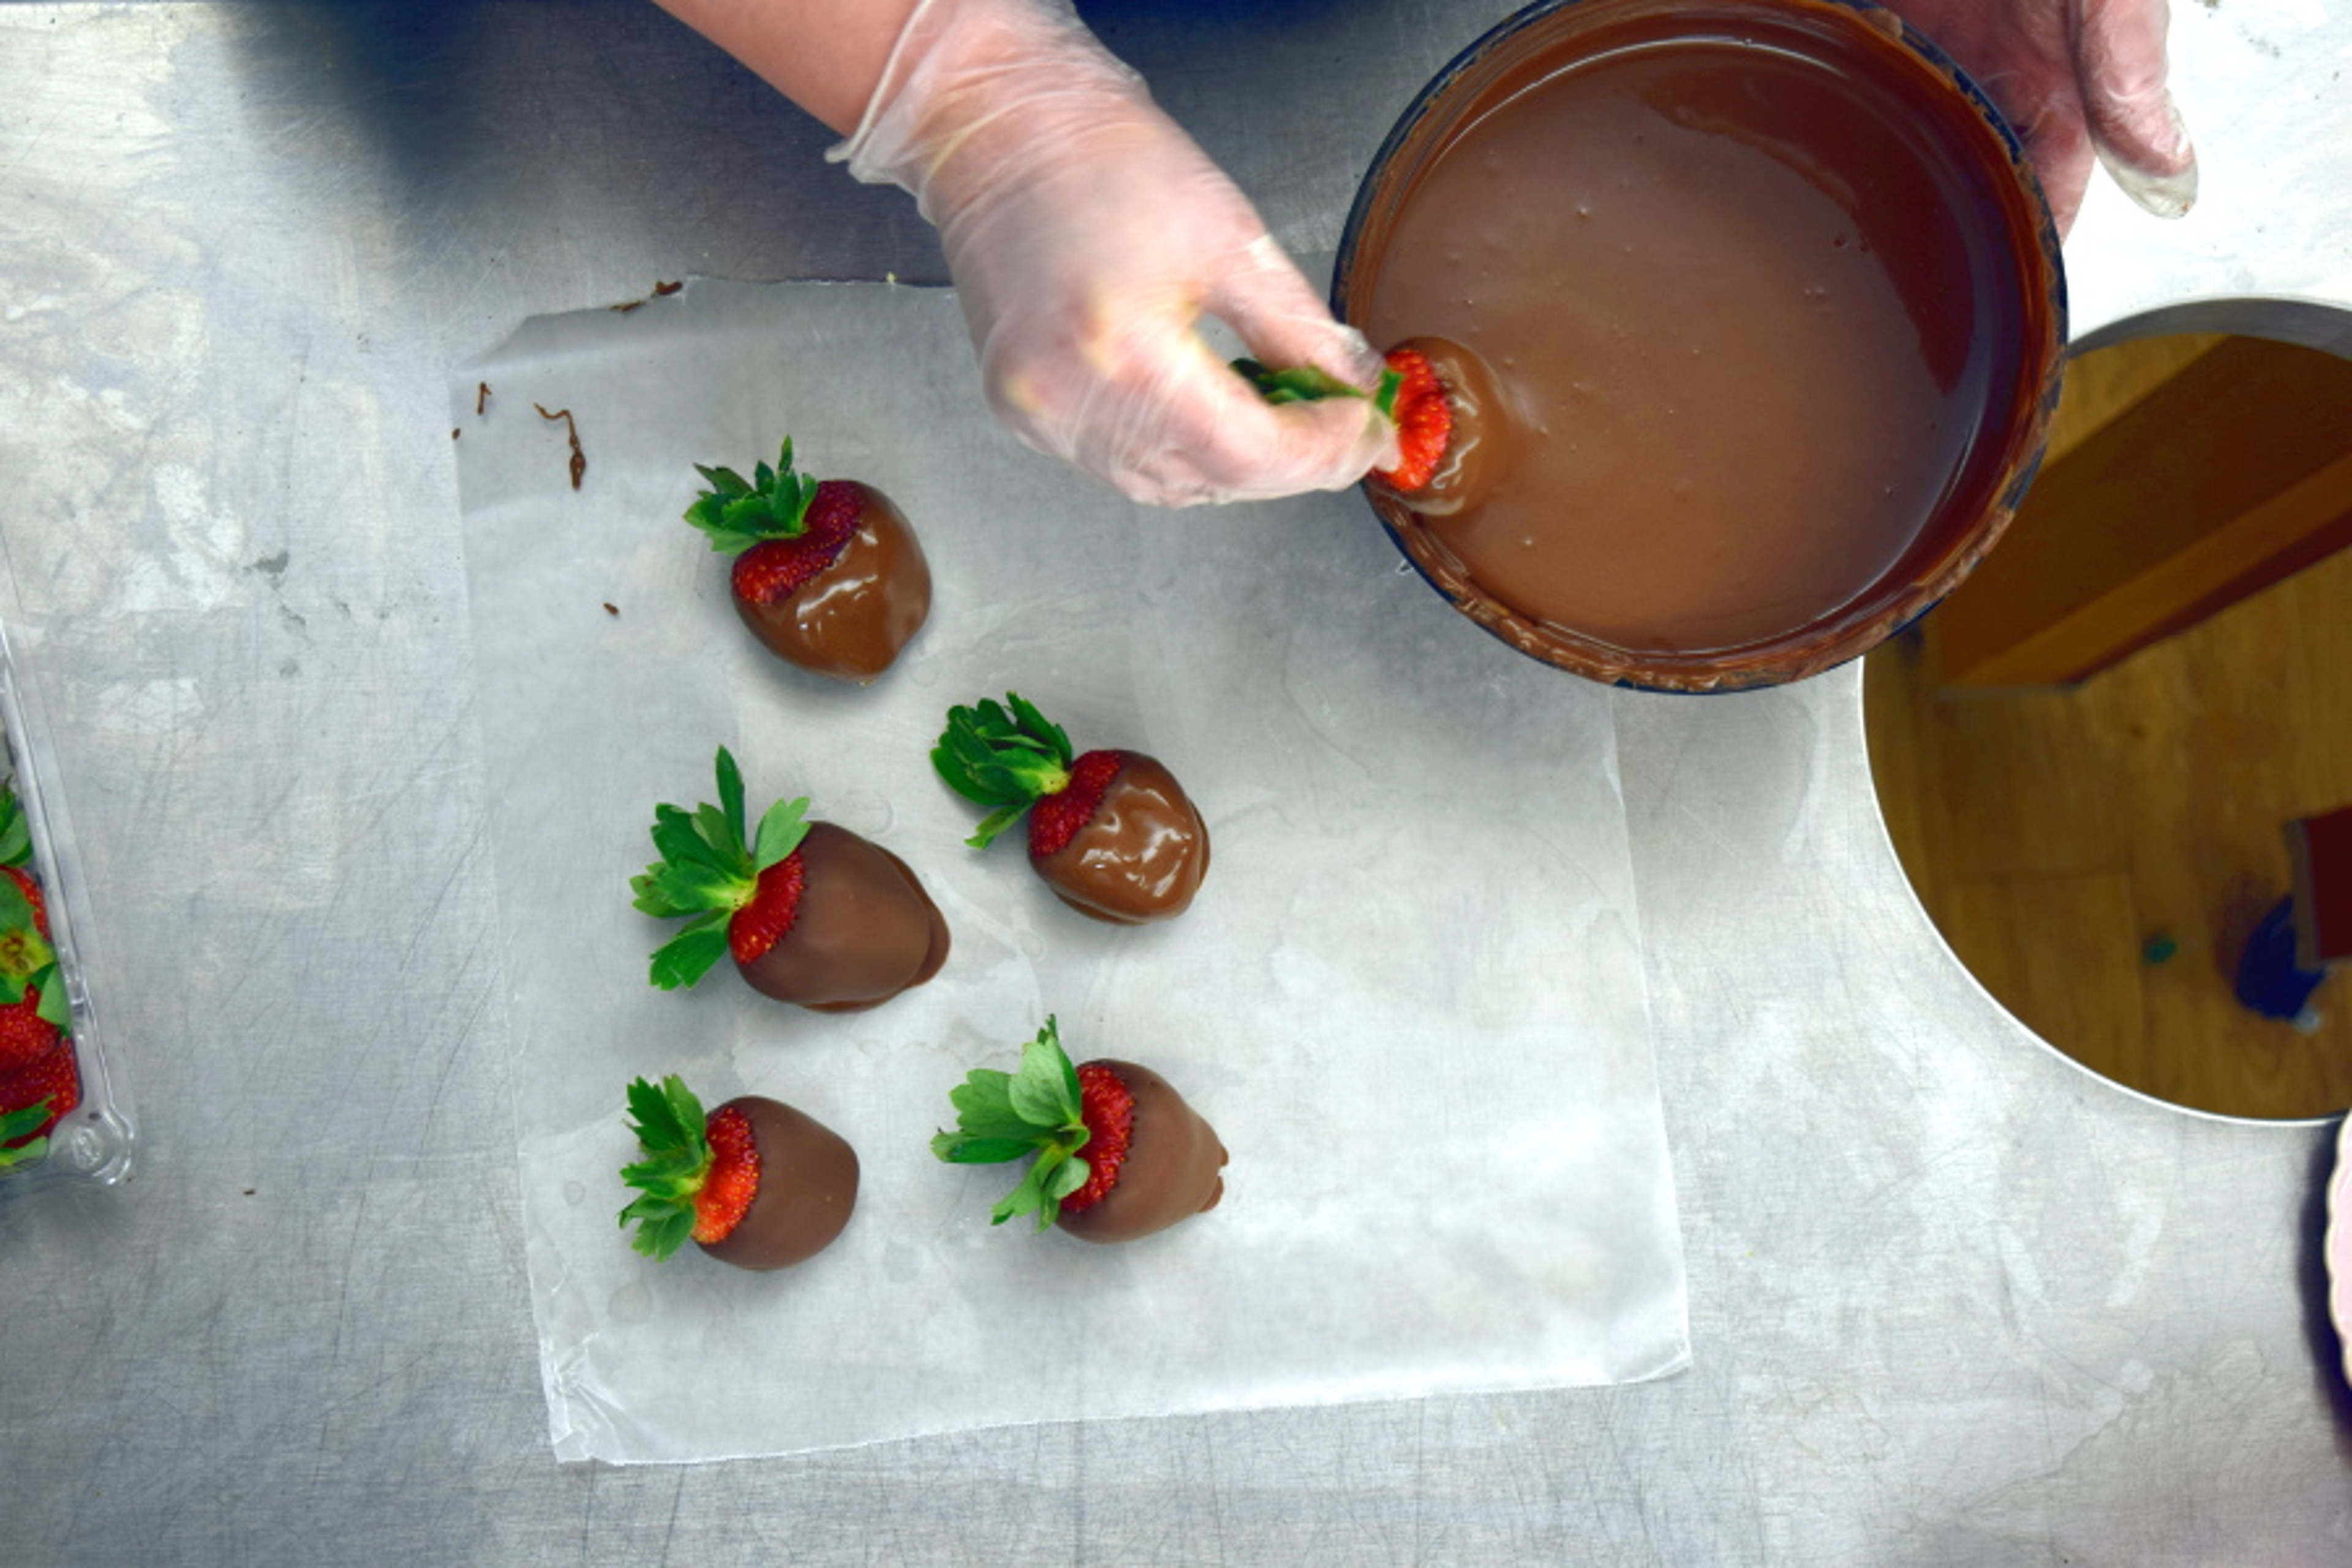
823 55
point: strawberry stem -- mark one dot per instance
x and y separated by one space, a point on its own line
1037 1111
736 513
1305 384
1007 755
669 1127
710 867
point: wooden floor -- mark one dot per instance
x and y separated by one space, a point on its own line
2064 841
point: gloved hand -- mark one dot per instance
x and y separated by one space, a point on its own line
2077 78
1087 235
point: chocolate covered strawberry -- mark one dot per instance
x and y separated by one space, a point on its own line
755 1182
811 912
1111 832
827 573
1115 1152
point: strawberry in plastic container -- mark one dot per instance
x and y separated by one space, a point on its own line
40 1077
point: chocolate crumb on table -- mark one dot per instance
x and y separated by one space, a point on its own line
661 291
572 432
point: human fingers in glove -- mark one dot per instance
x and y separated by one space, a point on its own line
1088 236
2083 81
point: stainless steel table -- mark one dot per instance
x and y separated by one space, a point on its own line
1953 1299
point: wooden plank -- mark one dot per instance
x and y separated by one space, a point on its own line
2169 775
2229 475
2106 384
2237 556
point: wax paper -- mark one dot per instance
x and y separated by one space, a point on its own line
1408 997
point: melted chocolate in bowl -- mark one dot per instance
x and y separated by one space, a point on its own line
1774 309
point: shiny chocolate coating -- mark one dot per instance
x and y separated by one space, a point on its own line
808 1185
865 929
1173 1169
850 620
1140 857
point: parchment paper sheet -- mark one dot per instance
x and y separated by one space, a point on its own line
1410 996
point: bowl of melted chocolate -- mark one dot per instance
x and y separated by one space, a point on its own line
1764 314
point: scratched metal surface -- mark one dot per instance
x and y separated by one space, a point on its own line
1952 1299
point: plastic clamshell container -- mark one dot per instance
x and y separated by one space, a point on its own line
94 1142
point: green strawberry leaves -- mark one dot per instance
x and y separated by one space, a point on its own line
668 1123
1007 755
1037 1110
15 831
1305 384
53 1007
736 513
15 1124
710 867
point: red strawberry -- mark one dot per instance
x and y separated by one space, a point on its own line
55 1077
1112 833
1424 422
733 1179
828 574
1457 435
1118 1153
767 918
755 1184
32 891
25 1036
30 1025
1461 434
811 912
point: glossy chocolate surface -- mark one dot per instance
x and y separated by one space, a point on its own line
1173 1169
864 932
851 620
1142 855
1773 302
808 1185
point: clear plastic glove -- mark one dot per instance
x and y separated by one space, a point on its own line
2079 79
1088 236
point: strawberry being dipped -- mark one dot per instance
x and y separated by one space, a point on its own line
1118 1154
827 573
1112 833
1456 437
755 1184
811 912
